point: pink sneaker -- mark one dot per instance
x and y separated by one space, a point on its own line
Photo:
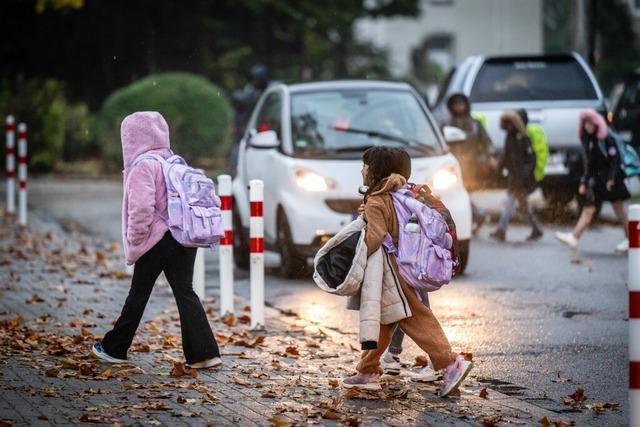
363 381
454 374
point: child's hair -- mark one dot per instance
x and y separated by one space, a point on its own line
383 161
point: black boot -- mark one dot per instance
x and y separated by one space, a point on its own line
499 235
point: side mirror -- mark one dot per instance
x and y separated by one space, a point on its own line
266 139
453 135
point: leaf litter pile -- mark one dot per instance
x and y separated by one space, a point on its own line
59 293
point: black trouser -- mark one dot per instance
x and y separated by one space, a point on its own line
198 342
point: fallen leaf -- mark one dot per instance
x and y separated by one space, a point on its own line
576 261
181 399
106 374
421 361
292 350
245 319
281 421
86 369
334 383
93 418
467 356
229 320
52 372
180 370
330 415
576 398
491 420
49 392
127 372
484 393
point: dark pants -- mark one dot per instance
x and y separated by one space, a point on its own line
198 342
398 336
519 200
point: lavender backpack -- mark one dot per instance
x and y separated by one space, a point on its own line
194 209
424 244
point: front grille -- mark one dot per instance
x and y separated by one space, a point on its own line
344 206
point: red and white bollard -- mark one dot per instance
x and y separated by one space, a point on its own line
22 174
11 166
634 315
226 246
256 249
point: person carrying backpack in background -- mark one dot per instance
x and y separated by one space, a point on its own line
519 161
539 144
384 171
602 179
475 155
150 245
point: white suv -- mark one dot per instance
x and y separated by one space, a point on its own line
305 141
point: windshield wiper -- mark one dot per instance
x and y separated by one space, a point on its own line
373 134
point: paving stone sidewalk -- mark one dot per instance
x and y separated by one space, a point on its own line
59 292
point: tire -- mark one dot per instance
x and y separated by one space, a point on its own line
464 255
240 243
292 265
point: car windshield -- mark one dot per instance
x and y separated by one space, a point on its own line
344 123
504 80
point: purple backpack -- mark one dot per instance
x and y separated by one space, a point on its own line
424 243
194 209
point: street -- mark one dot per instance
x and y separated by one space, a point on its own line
539 319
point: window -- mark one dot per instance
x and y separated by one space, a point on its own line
270 115
531 79
344 123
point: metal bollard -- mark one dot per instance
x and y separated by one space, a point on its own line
22 174
226 246
198 274
256 247
11 166
634 315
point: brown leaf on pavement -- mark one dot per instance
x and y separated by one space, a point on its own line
330 415
86 369
106 374
140 347
491 420
127 372
599 408
421 361
467 356
152 406
180 370
292 350
334 383
281 421
354 393
69 363
49 392
52 372
229 320
576 398
244 319
93 418
484 393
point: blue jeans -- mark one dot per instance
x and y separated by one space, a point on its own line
520 201
398 336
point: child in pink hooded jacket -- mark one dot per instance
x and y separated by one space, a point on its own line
149 245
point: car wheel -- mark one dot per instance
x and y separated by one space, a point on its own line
292 265
240 244
463 246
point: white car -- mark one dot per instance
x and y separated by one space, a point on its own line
305 141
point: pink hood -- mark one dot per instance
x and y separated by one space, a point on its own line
597 120
141 132
144 206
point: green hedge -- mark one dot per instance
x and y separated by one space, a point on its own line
198 113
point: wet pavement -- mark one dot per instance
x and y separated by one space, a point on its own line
540 319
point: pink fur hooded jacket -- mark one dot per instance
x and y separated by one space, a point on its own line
144 205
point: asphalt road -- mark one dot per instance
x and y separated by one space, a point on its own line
535 315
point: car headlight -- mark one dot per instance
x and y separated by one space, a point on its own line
311 181
444 178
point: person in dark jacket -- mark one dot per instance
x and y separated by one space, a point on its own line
602 180
519 161
475 154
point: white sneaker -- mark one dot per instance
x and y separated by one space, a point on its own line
623 246
425 375
568 239
209 363
454 374
390 363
